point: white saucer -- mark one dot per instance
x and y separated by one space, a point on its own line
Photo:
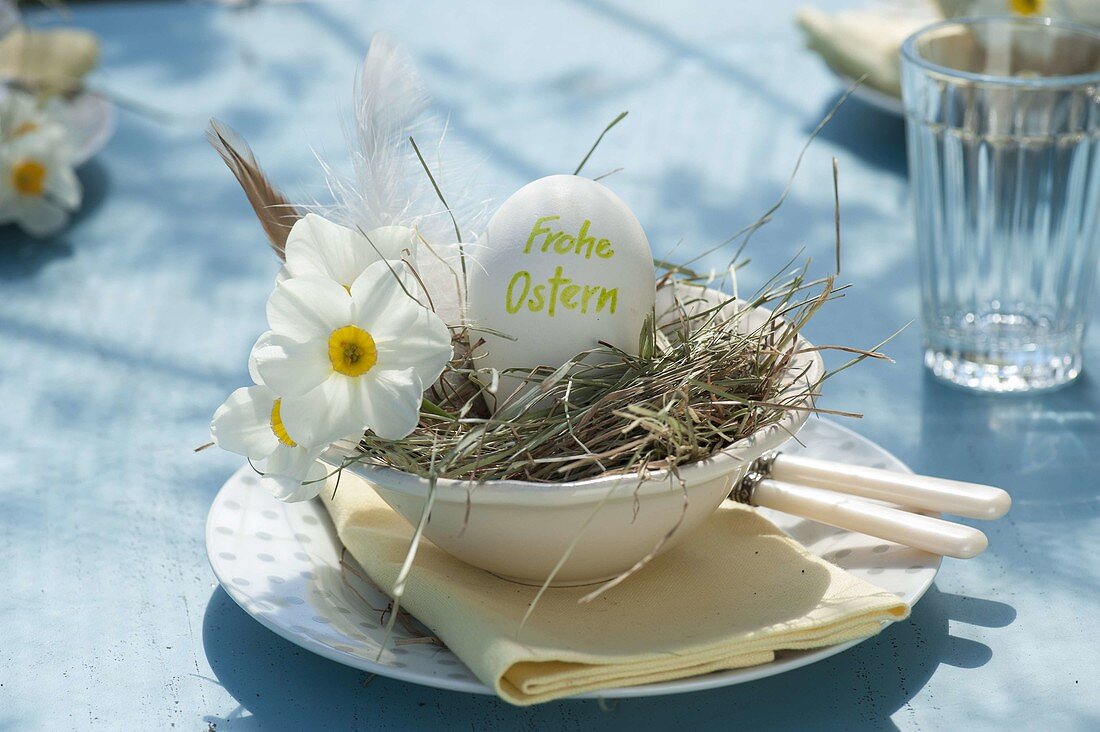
90 118
281 562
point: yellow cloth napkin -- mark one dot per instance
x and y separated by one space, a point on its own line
50 61
728 597
866 40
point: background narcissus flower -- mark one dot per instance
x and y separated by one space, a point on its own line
38 188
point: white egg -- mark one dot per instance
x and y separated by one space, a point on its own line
563 265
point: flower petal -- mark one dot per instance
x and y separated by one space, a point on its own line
399 313
64 187
243 423
308 307
319 247
375 293
390 403
421 342
324 414
293 474
39 217
261 342
288 367
49 143
291 490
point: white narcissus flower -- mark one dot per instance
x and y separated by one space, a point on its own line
22 113
321 248
38 187
344 363
249 423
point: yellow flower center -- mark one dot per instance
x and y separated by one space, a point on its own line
24 128
28 177
1026 7
277 424
352 351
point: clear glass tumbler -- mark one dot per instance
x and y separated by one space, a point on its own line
1003 129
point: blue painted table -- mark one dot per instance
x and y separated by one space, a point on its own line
120 336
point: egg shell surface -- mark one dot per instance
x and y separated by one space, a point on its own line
563 265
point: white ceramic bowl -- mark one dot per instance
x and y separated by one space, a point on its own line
520 530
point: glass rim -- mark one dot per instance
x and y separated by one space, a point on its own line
909 52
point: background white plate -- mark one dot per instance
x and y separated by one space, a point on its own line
90 118
281 562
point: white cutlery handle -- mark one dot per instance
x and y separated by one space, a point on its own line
957 498
835 509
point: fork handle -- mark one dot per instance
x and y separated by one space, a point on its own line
957 498
911 529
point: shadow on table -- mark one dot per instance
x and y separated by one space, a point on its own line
279 685
22 255
665 40
1053 440
876 137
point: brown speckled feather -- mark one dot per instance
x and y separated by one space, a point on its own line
275 213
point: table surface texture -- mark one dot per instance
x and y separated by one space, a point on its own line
120 336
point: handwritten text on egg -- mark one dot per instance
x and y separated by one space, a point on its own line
562 291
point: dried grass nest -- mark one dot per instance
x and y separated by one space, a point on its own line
701 381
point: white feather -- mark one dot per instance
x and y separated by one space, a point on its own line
389 100
388 184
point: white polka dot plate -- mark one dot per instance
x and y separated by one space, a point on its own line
283 564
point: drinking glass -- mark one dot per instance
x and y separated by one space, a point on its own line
1003 130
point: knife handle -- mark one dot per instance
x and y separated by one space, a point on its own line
954 497
911 529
